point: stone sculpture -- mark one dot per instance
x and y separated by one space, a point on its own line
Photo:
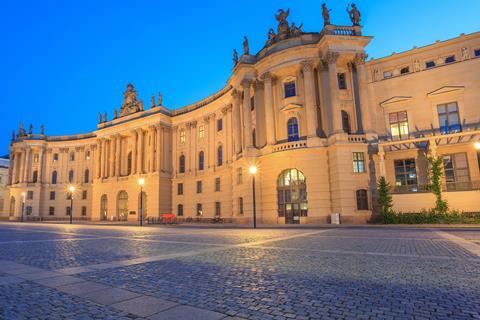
283 27
42 129
160 99
235 57
115 113
105 117
325 14
130 102
99 117
246 49
152 102
465 54
416 65
354 14
271 37
30 129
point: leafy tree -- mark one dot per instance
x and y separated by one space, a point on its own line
435 173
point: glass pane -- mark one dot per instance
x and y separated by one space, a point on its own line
441 108
402 116
452 107
393 118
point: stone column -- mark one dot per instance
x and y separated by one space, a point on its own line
269 111
212 140
41 156
118 155
333 84
102 157
310 104
28 164
22 167
13 167
227 131
160 146
237 121
140 151
152 148
363 91
432 148
175 148
381 161
193 146
112 153
247 114
98 159
134 152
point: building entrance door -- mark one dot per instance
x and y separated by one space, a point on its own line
292 196
292 213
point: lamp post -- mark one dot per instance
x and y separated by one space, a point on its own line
253 172
71 189
476 145
141 182
23 205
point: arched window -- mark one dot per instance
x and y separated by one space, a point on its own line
35 176
292 195
103 207
70 176
346 122
292 129
181 164
180 210
201 160
122 205
86 176
362 199
219 155
54 177
129 163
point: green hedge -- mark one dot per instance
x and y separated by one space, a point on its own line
431 217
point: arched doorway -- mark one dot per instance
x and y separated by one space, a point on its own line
122 206
292 195
144 205
103 207
12 206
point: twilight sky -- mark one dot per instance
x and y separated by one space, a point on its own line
61 62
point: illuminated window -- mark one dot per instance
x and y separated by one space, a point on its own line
406 174
398 125
201 131
183 136
358 162
87 155
35 158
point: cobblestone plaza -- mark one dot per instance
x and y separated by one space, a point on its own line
124 272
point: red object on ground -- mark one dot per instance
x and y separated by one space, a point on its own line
168 217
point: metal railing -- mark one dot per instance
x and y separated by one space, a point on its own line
446 187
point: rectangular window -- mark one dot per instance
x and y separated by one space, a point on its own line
84 211
290 90
51 211
199 186
342 81
387 74
362 199
201 131
219 124
449 118
405 70
429 64
358 162
398 125
239 175
450 59
183 136
68 210
180 188
84 195
477 52
199 210
52 195
217 184
180 210
218 209
29 195
240 205
35 158
55 157
29 211
406 174
457 175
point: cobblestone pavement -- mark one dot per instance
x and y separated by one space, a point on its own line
120 272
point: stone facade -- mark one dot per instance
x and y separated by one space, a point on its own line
320 122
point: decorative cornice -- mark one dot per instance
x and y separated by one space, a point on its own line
307 66
332 57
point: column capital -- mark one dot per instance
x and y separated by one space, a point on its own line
307 65
331 57
246 83
191 124
267 77
139 130
360 58
226 109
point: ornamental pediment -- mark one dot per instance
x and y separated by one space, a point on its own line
394 100
291 107
445 89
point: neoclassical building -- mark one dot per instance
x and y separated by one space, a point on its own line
320 122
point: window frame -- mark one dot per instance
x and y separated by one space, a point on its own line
361 195
399 124
449 127
293 131
358 162
287 91
180 189
342 80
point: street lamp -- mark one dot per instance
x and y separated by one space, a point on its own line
253 172
141 182
23 205
477 145
72 190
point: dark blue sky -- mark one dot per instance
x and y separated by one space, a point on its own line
64 61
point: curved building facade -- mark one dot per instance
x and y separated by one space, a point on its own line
320 122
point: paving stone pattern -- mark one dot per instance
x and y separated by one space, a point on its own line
119 272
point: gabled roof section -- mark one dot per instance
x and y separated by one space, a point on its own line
445 89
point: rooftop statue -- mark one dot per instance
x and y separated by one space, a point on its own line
325 14
130 102
115 113
283 26
21 130
99 117
271 37
105 117
246 50
30 129
354 15
13 135
295 31
235 57
160 99
42 129
152 102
